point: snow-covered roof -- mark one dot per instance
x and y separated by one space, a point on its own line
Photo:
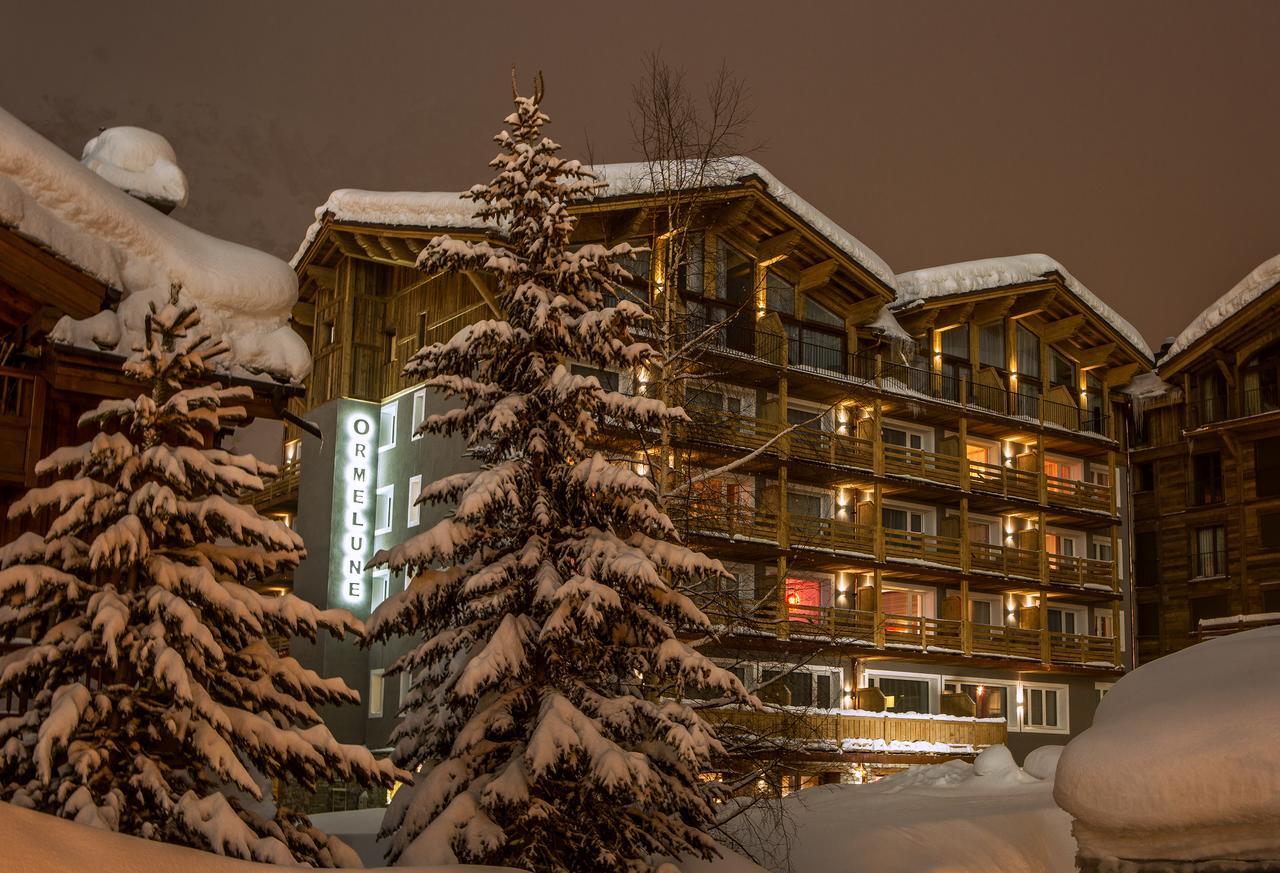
449 210
139 162
1263 278
245 296
917 286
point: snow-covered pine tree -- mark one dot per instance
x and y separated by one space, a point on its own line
544 723
152 702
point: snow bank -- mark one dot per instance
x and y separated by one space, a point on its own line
38 843
1183 760
138 162
1263 278
954 817
919 285
433 209
246 296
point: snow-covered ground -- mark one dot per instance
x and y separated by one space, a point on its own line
37 843
947 818
954 817
1183 759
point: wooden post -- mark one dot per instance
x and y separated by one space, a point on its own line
1046 651
876 374
783 515
35 430
1115 557
1116 631
1111 480
878 518
964 453
965 550
966 626
1044 481
1044 549
878 633
877 439
784 608
784 443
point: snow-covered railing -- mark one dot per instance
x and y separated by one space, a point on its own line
954 734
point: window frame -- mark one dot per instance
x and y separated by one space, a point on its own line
1062 707
419 414
377 680
413 517
390 493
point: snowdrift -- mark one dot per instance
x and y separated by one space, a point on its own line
245 296
1183 759
38 843
955 817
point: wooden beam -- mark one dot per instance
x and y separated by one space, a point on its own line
1030 304
305 314
624 225
989 310
953 316
918 320
863 311
733 213
777 247
816 276
1057 331
325 277
1095 357
1120 375
484 285
399 249
373 249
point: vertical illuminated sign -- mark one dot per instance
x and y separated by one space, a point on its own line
355 488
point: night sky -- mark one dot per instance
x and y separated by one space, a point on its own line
1135 142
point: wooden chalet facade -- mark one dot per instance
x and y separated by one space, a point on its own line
931 539
1206 463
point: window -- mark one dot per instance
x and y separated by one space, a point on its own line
1100 551
292 451
906 600
387 428
1028 373
893 518
377 690
991 351
1144 478
1147 558
1214 606
904 695
1066 620
1266 467
330 333
419 413
1104 624
1269 530
807 504
808 591
382 510
1062 371
985 610
1209 551
1062 469
608 379
733 274
954 342
804 687
780 295
404 687
389 346
1059 544
1102 688
989 701
422 329
381 587
1148 615
684 254
415 508
1044 708
815 311
1206 478
901 436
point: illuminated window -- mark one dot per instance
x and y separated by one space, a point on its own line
415 508
387 428
419 412
382 512
377 689
381 587
1044 708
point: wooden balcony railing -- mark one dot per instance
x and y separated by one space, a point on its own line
1070 570
279 489
913 546
1077 494
869 731
729 429
1004 560
812 532
734 521
831 448
906 461
1004 481
924 634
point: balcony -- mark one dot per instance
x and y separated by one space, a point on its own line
745 523
870 732
280 490
900 634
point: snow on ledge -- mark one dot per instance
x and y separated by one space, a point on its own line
1250 618
919 285
138 162
246 296
438 209
1263 278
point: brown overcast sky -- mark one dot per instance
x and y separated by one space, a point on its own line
1134 141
